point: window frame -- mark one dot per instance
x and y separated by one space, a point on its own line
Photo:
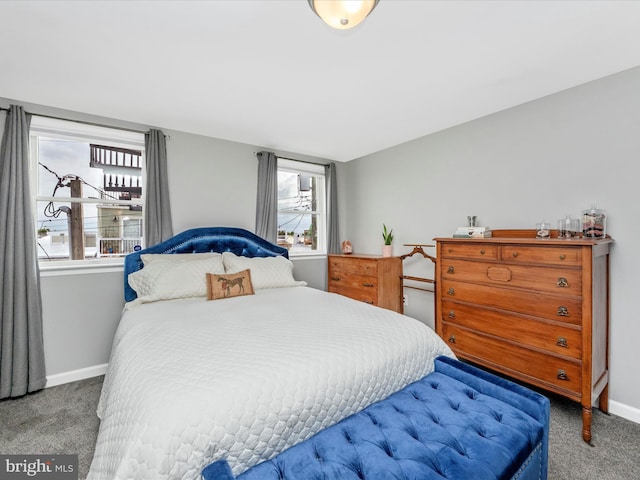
77 131
300 167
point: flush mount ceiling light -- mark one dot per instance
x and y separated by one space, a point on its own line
342 14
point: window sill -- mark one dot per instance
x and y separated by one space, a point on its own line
80 267
307 256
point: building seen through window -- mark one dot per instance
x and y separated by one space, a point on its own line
89 186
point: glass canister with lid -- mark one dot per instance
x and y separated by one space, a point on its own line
569 227
594 223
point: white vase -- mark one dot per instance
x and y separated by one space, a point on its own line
387 250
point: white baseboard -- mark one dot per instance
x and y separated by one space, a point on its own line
624 411
75 375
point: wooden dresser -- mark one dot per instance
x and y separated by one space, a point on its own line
369 278
536 310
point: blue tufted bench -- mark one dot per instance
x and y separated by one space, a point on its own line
458 423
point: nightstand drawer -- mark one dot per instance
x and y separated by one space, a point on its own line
347 280
342 265
560 339
537 367
369 295
563 281
553 307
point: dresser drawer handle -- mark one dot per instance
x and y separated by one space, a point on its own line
563 311
335 279
482 252
562 375
562 342
452 339
562 256
452 314
370 302
450 269
449 250
368 285
562 282
451 291
514 254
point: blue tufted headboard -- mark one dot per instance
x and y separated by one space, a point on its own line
201 240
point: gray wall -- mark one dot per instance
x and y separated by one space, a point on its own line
512 169
80 316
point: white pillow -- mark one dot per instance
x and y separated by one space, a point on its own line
266 272
168 279
148 258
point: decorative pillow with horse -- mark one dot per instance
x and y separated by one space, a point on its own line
229 285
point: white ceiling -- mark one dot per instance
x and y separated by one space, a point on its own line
269 73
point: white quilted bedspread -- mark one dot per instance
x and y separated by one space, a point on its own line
243 378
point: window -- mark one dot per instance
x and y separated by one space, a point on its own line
88 183
301 207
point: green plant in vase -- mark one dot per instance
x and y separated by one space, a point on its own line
387 235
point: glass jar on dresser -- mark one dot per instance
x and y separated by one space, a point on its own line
534 309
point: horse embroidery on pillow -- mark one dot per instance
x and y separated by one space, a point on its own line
228 283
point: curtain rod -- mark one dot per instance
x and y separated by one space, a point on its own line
79 121
296 160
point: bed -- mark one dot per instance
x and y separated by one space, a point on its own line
247 375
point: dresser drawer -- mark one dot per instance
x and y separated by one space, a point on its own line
366 295
541 255
352 265
469 250
528 365
550 279
348 280
560 339
553 307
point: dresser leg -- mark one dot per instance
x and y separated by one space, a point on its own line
603 399
586 424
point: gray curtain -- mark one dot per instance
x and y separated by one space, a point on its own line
333 235
22 367
157 209
267 197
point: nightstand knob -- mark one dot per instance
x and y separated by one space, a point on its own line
563 311
451 291
514 254
562 342
452 339
335 279
562 375
452 314
367 285
562 282
482 252
563 256
450 269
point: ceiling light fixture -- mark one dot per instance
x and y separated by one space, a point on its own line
342 14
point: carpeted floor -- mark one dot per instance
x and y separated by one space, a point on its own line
62 420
